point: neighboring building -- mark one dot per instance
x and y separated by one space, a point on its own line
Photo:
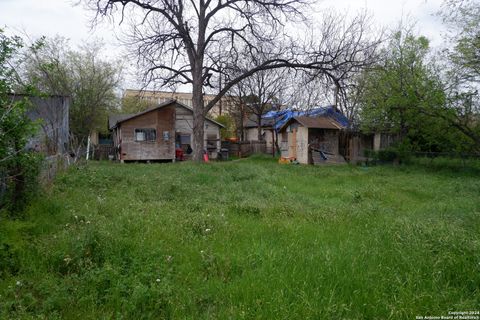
273 121
267 132
304 137
225 104
157 133
99 138
51 112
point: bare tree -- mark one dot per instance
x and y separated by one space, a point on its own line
342 93
238 111
341 86
261 93
193 42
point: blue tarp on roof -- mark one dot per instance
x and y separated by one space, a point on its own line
281 117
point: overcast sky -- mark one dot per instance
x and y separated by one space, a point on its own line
51 17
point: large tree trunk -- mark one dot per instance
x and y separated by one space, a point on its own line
198 120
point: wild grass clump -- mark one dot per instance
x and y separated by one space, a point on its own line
244 239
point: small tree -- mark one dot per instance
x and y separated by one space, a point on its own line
229 123
88 80
260 93
462 74
402 91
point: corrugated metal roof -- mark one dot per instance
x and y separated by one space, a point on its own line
318 122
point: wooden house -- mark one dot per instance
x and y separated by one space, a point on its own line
156 134
311 139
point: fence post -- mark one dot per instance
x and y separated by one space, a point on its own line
88 148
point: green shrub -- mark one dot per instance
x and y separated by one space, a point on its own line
18 167
254 240
387 155
9 250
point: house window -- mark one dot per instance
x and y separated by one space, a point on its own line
145 134
184 139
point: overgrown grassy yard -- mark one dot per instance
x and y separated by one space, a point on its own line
245 239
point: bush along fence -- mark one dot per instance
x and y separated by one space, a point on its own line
392 155
22 181
18 181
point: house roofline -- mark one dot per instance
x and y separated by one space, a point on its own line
206 118
332 121
162 105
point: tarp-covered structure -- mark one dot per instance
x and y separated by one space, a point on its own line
304 133
278 118
311 119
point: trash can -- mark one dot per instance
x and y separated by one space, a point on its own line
224 153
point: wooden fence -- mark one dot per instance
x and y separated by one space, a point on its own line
245 148
103 152
352 146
